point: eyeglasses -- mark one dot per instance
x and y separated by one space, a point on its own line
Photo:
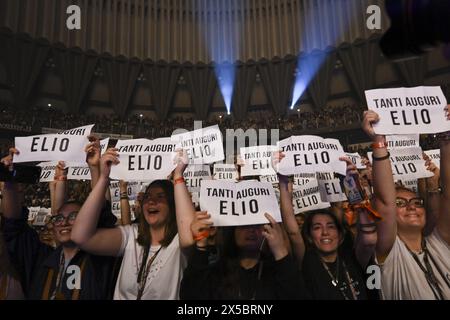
402 202
156 199
60 218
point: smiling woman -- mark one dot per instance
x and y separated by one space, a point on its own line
330 268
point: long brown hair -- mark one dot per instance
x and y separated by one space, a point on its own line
170 230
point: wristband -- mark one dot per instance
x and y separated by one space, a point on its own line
60 178
378 145
178 180
201 235
381 158
123 197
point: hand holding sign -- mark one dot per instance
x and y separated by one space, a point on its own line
432 182
200 227
181 161
369 118
111 157
93 151
277 156
9 159
274 236
61 171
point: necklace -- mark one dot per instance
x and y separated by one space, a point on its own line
335 279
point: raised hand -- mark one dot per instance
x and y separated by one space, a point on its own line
369 118
93 151
111 157
200 227
8 160
274 236
182 161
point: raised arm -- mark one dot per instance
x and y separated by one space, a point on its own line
185 210
384 188
60 187
93 159
125 212
443 224
429 190
84 232
287 212
12 199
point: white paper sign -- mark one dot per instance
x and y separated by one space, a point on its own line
32 212
402 141
194 174
195 196
257 160
133 189
435 156
41 216
81 171
356 160
301 179
273 178
411 184
65 146
144 160
310 154
330 188
48 171
307 198
407 164
225 171
408 110
203 146
238 204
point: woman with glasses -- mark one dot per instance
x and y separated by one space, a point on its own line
413 265
47 273
153 261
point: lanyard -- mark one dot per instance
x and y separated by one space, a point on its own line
144 270
428 271
335 280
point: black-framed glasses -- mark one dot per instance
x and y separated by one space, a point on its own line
60 218
402 202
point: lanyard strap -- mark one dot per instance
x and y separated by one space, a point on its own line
335 280
428 271
57 294
142 275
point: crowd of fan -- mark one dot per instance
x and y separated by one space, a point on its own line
332 117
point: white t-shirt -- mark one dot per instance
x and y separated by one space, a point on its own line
403 279
164 277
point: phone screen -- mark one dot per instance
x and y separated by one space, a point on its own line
353 189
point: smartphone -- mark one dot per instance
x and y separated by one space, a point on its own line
352 188
21 174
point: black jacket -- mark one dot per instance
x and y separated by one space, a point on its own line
33 259
278 280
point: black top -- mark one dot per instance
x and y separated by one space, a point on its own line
226 280
33 259
319 282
